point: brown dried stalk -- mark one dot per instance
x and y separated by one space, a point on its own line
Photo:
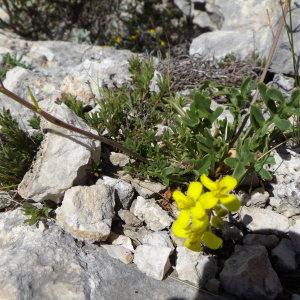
67 126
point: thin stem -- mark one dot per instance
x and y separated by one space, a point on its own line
67 126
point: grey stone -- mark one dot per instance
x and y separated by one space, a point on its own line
259 197
264 221
294 234
231 232
129 218
268 241
287 172
136 235
151 213
194 266
63 160
119 252
158 238
248 274
121 240
213 285
87 211
147 189
119 159
124 191
285 256
5 200
184 6
153 260
49 264
283 83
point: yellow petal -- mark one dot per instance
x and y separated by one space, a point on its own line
182 200
184 218
221 212
198 211
199 225
208 200
231 202
179 231
208 183
193 244
194 190
227 184
211 241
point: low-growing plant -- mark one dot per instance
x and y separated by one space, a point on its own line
35 213
17 150
10 61
195 140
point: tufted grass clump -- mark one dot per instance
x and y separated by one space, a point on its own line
17 150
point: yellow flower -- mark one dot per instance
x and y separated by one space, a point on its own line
118 39
152 31
219 193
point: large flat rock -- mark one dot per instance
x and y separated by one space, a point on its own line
49 264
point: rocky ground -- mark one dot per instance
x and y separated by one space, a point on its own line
112 239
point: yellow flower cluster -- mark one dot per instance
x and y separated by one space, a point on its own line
200 210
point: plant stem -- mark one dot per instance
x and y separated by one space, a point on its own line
67 126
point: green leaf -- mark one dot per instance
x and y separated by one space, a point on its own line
262 88
214 116
245 88
263 173
295 98
231 162
275 94
282 124
256 117
201 101
205 164
239 171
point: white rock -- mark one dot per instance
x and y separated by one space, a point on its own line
153 260
285 256
158 238
248 274
124 191
119 159
129 218
87 211
264 221
123 241
86 79
294 234
119 252
5 200
62 161
151 213
194 266
268 241
147 189
259 197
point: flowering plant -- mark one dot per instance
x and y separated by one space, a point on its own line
201 211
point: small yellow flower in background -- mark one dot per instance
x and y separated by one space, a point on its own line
152 31
162 43
118 40
199 211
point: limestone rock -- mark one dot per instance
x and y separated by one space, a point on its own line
264 221
259 198
151 213
119 252
158 238
63 159
86 79
285 256
268 241
49 264
129 218
153 260
5 200
87 211
119 159
124 191
194 266
248 274
294 234
147 189
123 241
